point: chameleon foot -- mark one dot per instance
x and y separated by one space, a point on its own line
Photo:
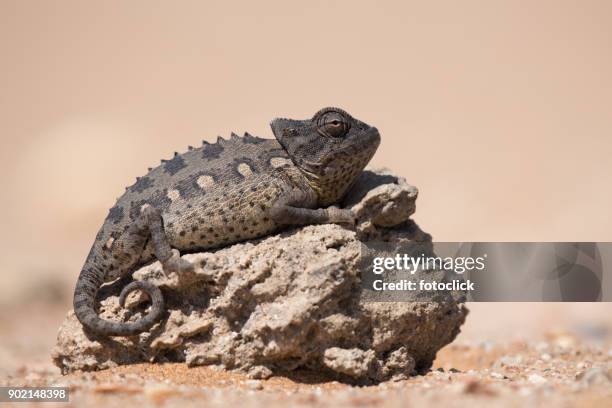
177 264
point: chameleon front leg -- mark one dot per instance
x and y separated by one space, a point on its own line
292 209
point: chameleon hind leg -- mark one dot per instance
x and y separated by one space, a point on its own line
150 222
125 251
151 219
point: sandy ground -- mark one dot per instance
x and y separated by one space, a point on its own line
507 355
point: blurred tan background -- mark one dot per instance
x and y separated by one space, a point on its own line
499 111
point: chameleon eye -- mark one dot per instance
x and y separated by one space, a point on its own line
333 124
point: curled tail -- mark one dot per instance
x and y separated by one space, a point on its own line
85 292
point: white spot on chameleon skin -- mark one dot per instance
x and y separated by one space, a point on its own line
173 195
109 242
245 169
205 182
279 162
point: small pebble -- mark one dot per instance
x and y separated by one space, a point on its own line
477 387
511 361
254 384
596 376
536 379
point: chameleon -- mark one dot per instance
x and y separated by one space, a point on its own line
217 195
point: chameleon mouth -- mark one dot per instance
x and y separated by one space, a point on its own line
369 139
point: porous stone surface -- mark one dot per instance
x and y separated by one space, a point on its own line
288 301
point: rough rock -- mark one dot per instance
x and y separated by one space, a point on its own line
288 301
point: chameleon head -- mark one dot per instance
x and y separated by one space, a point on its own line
330 149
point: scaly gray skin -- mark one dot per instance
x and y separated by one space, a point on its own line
220 194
